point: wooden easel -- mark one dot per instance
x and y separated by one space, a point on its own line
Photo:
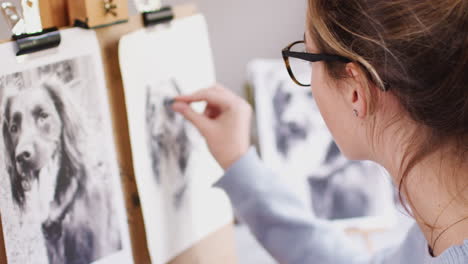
214 249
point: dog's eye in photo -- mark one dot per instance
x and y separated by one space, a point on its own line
43 116
40 114
13 128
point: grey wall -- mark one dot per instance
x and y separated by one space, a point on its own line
242 30
245 29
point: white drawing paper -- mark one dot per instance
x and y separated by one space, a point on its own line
295 142
61 199
173 166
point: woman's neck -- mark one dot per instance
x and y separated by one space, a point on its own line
434 196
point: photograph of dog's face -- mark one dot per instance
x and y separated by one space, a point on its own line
295 142
291 126
32 130
59 191
168 138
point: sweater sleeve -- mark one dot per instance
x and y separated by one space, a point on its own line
281 222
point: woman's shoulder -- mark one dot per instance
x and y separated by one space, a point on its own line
457 254
415 249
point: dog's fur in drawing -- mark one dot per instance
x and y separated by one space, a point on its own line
289 131
48 167
339 188
168 140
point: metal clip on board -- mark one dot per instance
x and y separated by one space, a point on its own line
163 15
27 41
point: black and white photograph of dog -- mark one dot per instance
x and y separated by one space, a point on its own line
339 188
58 173
296 143
169 142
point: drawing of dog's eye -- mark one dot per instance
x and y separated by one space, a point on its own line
13 128
158 137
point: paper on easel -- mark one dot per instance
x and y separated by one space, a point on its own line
64 204
173 166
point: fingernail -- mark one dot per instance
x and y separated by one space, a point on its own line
178 106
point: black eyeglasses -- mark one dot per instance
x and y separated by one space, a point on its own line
297 61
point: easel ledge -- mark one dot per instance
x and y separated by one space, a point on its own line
218 247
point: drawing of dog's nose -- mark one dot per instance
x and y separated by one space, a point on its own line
24 156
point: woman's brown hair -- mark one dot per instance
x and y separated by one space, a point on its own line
415 49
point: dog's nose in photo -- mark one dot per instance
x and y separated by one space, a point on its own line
23 157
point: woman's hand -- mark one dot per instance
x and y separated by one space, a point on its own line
225 124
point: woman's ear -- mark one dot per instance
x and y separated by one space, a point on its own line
357 90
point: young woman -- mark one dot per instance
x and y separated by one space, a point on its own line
390 79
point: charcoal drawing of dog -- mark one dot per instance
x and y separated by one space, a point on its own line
169 142
48 167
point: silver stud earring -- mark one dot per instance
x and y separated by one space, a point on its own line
356 113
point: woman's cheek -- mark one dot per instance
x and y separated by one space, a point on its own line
326 102
317 87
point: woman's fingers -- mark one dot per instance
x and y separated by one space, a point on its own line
214 96
200 121
225 123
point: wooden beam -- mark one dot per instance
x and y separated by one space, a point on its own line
54 13
3 258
